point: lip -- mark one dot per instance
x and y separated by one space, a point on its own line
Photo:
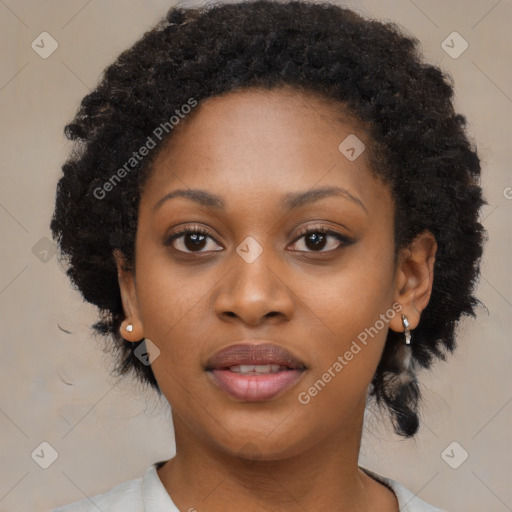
254 387
253 353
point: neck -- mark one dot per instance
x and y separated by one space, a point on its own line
324 477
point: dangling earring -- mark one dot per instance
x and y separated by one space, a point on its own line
399 385
407 332
129 327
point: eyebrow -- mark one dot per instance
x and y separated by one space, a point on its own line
291 200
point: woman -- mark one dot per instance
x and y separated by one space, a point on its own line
275 208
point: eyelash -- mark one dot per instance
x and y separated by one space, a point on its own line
345 241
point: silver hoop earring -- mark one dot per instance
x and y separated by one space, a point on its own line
407 332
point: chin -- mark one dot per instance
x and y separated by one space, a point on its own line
267 445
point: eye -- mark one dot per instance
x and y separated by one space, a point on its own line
191 239
195 239
317 238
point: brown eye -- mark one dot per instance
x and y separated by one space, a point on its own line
317 239
190 240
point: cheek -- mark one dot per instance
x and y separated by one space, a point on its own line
352 298
172 306
353 307
172 313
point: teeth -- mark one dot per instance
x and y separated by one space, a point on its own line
254 369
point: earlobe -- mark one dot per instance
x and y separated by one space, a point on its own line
414 278
131 328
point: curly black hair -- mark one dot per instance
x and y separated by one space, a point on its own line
371 69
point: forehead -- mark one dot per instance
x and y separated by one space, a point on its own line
256 144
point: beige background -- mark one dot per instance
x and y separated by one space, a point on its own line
55 386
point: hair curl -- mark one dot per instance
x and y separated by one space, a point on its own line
371 69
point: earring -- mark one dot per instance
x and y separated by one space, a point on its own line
129 327
407 332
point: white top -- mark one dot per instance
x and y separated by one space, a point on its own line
147 494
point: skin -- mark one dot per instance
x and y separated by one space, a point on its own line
251 147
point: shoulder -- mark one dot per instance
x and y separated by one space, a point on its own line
407 500
125 497
144 494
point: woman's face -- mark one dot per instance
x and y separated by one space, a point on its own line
251 275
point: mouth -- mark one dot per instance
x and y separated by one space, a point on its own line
254 372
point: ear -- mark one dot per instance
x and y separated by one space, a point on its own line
414 278
126 280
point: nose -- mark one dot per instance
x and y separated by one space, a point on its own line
253 292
